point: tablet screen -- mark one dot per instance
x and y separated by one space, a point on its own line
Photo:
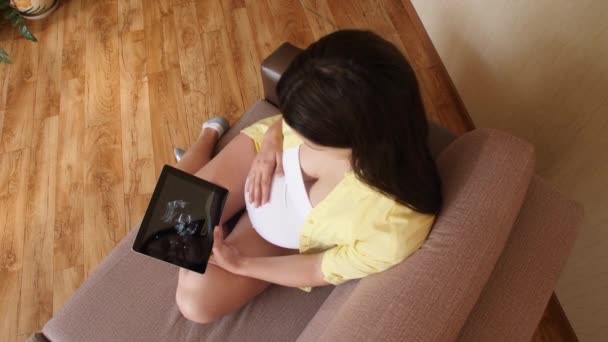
178 225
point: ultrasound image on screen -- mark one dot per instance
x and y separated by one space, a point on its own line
177 214
178 226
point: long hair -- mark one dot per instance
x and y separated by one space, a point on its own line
353 89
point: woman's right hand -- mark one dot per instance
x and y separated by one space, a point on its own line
267 163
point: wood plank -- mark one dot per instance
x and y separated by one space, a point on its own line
224 95
223 87
13 189
230 5
161 41
68 249
74 44
2 115
440 81
103 169
210 15
167 116
135 205
291 24
14 168
13 174
103 210
4 72
366 15
319 16
439 95
69 220
262 27
418 49
102 83
36 297
244 53
103 201
50 48
130 15
7 33
175 3
193 67
10 286
20 97
68 256
138 154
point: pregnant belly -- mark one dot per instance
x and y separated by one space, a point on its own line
280 220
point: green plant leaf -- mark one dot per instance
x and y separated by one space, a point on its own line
10 13
17 20
26 33
3 57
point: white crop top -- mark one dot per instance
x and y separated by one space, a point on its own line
280 220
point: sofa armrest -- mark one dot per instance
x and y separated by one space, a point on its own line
429 296
515 297
274 66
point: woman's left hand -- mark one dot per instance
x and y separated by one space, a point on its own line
224 254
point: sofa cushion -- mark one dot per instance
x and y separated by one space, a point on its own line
131 297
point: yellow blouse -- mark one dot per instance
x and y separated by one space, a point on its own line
360 230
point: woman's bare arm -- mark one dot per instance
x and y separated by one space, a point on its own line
296 270
274 134
290 270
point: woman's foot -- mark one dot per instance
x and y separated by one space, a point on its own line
178 153
218 125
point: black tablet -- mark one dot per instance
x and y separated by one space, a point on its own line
178 225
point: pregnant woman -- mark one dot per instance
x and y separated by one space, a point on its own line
356 190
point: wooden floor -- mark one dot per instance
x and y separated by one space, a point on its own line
89 115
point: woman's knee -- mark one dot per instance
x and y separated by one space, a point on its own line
193 312
232 163
194 309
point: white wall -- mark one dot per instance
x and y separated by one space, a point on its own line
539 69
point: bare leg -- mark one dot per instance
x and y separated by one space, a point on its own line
199 154
207 297
204 298
229 169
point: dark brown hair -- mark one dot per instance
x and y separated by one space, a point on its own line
353 89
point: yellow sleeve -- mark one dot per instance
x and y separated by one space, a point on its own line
258 129
377 245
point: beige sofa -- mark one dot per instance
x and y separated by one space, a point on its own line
486 272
